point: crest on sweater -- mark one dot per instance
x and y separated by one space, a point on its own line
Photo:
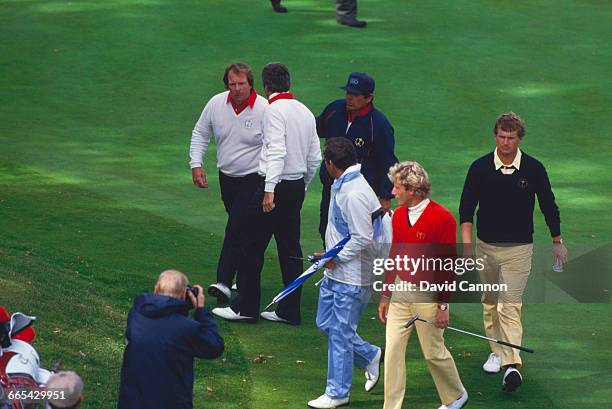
248 123
523 183
420 235
359 142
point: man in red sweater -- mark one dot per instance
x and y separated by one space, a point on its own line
422 230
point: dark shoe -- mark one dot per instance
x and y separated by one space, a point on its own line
512 380
276 6
353 22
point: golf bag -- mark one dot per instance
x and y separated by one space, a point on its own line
15 383
20 370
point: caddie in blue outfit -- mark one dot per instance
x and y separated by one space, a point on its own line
371 134
347 286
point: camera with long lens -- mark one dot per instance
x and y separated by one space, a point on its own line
194 291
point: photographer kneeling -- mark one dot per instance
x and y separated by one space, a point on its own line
162 342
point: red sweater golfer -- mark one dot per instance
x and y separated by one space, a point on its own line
424 239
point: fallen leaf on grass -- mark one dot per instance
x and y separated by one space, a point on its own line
300 362
261 359
209 389
465 354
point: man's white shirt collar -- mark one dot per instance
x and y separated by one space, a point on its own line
416 211
516 163
353 168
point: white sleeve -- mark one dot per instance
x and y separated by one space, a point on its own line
314 155
275 133
200 137
356 211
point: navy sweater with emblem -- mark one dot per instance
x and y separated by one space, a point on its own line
506 202
372 137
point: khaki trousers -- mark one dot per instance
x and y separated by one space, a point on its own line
502 311
439 361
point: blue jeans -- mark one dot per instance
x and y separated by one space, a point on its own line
338 313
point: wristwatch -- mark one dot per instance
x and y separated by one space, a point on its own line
560 241
443 307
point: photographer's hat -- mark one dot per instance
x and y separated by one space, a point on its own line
359 83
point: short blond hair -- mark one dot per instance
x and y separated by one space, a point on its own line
172 283
411 175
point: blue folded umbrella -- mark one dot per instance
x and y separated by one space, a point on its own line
318 263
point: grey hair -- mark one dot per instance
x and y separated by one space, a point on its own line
172 283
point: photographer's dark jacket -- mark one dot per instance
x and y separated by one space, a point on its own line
157 369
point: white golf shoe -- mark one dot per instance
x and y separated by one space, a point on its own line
372 371
512 380
272 316
325 402
229 314
493 364
457 404
220 291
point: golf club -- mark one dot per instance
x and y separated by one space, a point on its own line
412 320
311 258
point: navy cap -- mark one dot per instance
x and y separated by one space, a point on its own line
359 83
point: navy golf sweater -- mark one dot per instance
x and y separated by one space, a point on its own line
506 202
373 138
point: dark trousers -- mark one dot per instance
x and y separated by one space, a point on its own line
346 9
235 193
324 211
284 224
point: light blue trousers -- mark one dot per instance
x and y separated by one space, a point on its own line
338 313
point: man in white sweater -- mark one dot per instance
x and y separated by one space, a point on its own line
234 118
289 159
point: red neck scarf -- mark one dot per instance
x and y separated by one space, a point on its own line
362 112
281 95
248 103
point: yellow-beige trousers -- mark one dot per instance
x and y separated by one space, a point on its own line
508 265
439 361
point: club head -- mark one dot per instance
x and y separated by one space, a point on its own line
411 321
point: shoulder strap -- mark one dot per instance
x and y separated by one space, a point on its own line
4 360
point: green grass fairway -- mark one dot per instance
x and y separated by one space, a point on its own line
97 103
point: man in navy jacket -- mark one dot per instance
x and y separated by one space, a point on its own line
162 341
371 133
